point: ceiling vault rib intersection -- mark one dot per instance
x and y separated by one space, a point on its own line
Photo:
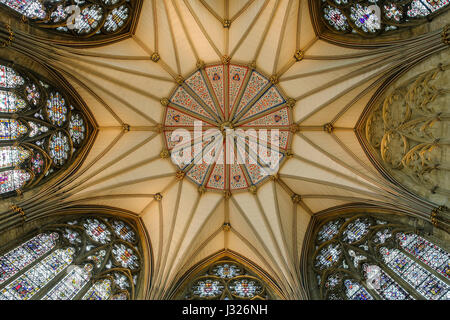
128 84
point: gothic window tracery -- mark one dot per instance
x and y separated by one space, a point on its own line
363 257
91 19
42 129
408 130
226 280
369 18
85 258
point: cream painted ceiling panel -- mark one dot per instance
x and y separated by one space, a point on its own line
128 166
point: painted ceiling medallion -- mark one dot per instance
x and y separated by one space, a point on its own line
245 123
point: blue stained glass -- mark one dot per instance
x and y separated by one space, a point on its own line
10 102
28 284
12 156
356 230
328 256
11 129
59 148
328 231
51 266
71 284
56 108
37 163
121 281
116 19
29 8
101 290
385 286
227 270
33 94
22 256
336 18
422 8
12 180
207 288
125 256
382 235
434 289
123 231
425 251
245 288
419 278
77 128
364 18
89 19
356 292
20 289
9 78
376 16
97 230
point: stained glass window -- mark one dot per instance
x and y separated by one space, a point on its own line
226 280
39 127
373 17
367 258
68 260
92 19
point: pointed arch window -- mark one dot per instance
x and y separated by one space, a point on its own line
88 20
370 18
42 129
82 258
226 279
367 258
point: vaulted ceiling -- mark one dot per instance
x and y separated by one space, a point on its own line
123 84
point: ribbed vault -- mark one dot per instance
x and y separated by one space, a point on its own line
125 83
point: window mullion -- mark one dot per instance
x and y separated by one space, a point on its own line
424 265
25 269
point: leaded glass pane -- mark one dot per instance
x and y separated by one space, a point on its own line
208 288
11 129
328 256
384 285
356 230
9 78
10 102
418 277
371 258
22 256
225 280
427 252
123 231
37 134
328 231
57 108
227 270
354 291
125 256
97 231
12 156
71 284
101 290
28 284
72 262
373 17
245 288
92 19
29 8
